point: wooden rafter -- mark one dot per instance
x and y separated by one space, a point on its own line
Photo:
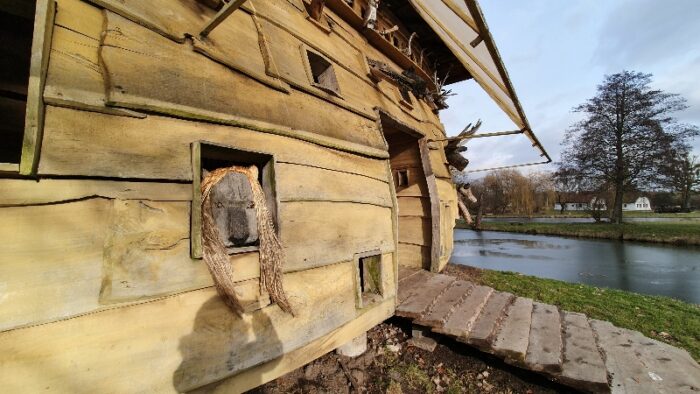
220 16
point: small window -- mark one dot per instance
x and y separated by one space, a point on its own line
231 199
15 53
322 73
401 178
368 278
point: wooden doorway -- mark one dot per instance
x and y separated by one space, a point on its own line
415 217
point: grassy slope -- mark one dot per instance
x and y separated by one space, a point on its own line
662 318
681 233
583 214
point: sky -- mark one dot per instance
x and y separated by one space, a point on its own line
558 51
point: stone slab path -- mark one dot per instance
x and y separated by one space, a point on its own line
586 354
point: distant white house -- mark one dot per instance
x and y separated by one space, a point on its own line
640 204
585 203
581 203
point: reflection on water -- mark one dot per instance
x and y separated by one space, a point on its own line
672 271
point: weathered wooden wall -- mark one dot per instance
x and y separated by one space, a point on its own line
97 286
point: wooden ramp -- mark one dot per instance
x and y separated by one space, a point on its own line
589 355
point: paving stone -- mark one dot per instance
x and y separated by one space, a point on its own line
445 304
412 284
460 321
544 351
422 299
638 364
405 272
583 365
514 335
486 325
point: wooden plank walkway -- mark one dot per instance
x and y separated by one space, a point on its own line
567 347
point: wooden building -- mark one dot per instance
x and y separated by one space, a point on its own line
113 112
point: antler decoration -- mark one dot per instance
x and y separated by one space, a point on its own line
455 146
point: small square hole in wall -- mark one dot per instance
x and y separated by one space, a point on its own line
231 199
401 178
322 73
369 278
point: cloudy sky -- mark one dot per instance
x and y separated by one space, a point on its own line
557 51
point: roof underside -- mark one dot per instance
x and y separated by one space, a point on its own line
461 27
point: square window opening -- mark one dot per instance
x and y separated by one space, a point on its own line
369 278
15 57
322 73
401 178
232 201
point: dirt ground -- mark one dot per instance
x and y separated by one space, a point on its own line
390 365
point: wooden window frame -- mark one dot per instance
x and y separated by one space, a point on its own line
266 163
360 300
305 52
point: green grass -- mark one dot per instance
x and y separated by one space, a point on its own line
680 233
584 214
662 318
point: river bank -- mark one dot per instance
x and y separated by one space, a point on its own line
677 233
663 318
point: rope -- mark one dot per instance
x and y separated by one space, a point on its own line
214 250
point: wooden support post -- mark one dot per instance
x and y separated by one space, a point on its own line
34 120
478 40
220 16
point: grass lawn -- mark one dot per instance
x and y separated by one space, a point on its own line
680 233
583 214
663 318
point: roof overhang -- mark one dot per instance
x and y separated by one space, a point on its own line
461 26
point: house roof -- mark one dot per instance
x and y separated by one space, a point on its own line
463 29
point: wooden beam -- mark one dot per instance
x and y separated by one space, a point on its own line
511 166
34 119
220 16
498 134
434 205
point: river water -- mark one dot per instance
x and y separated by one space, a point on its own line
582 220
655 269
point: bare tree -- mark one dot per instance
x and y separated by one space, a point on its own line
626 135
683 175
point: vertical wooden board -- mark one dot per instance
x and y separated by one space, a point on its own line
51 260
438 164
414 256
285 55
93 144
388 276
172 19
583 365
304 183
34 119
319 233
185 83
176 343
514 335
415 230
147 253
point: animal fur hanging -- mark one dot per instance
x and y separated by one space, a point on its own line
216 257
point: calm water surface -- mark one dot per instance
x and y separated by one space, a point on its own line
582 220
672 271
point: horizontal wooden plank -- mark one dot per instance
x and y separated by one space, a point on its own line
75 77
414 206
304 183
177 343
94 144
185 83
319 233
415 230
181 17
271 370
51 260
414 256
46 191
